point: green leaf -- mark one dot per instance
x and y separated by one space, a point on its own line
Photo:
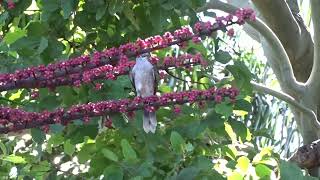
38 135
43 45
50 5
98 164
229 151
188 173
137 178
223 57
199 47
244 105
177 142
130 15
164 88
56 128
68 148
54 141
127 151
3 17
53 51
116 89
86 152
109 154
48 102
156 17
68 6
78 133
242 76
203 163
26 46
241 130
290 171
42 167
3 148
11 37
264 132
115 6
15 159
38 29
145 169
205 82
113 172
214 120
263 170
100 12
67 95
167 5
224 108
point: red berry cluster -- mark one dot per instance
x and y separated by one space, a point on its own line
111 72
109 64
32 77
11 4
17 119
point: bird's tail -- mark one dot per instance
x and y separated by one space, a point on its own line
149 121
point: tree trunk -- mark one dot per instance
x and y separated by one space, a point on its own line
300 49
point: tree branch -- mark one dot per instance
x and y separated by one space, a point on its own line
313 81
183 80
277 14
56 82
282 63
293 5
289 27
18 119
300 51
25 77
286 98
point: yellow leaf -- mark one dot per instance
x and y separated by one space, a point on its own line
235 176
15 95
243 164
230 132
240 113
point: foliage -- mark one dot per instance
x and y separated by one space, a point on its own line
200 141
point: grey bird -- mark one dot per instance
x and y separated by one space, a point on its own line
144 80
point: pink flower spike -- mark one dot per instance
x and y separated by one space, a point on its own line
162 74
131 115
77 83
34 94
177 109
86 119
196 40
98 86
230 32
218 99
45 129
11 4
108 123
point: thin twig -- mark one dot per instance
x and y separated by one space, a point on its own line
176 77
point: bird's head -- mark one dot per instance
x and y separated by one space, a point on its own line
144 56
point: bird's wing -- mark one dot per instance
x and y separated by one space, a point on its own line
156 78
131 77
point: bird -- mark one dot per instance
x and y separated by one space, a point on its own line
143 77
